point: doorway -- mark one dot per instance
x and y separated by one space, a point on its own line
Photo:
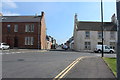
15 41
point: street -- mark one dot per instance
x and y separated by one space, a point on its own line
41 64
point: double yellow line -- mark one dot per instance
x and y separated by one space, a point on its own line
67 69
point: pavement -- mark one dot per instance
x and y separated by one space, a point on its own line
91 67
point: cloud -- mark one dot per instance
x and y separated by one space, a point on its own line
7 13
9 4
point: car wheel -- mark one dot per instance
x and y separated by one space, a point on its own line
2 48
111 52
99 51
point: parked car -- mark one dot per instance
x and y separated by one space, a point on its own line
65 47
106 49
4 46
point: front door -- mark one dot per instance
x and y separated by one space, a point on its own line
15 42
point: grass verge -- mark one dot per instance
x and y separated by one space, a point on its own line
111 62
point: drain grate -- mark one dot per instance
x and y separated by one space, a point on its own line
20 59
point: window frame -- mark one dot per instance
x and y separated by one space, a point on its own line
16 28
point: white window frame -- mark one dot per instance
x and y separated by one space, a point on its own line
99 35
87 45
32 27
15 28
29 40
8 27
87 34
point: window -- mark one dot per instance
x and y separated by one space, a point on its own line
106 47
112 35
29 28
99 35
32 28
29 40
87 34
8 27
99 43
87 45
16 28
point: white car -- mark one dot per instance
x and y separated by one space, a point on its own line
4 46
105 49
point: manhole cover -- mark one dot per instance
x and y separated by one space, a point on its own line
20 59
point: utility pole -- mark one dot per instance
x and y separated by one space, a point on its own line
118 43
102 27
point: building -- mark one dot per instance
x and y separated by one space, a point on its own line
51 42
24 31
88 34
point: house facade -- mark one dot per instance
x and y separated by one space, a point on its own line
88 34
24 31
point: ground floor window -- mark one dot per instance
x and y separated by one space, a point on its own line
29 40
99 43
87 45
112 45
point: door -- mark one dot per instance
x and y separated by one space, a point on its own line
8 40
107 49
15 42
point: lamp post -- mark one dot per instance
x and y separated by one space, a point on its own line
102 26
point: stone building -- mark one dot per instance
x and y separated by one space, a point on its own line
88 34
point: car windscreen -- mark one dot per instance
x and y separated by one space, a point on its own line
4 44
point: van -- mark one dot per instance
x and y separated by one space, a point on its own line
106 49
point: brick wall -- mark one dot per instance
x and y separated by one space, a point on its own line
21 34
43 32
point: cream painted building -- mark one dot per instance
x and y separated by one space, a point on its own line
88 34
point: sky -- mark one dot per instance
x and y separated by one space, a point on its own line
59 16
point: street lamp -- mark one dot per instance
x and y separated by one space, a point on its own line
102 26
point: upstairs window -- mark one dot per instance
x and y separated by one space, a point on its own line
16 28
87 34
29 28
100 35
32 28
8 27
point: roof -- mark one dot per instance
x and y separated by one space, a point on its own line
21 19
96 26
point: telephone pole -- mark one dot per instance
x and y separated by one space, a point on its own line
102 27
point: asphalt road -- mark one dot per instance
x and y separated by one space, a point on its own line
38 64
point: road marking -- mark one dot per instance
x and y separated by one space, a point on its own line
67 69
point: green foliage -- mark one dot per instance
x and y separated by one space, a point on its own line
112 64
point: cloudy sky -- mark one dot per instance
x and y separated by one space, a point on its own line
60 15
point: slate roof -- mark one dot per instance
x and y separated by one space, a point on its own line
21 19
95 26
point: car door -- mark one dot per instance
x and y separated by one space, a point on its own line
107 49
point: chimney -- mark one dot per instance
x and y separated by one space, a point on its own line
42 13
114 19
